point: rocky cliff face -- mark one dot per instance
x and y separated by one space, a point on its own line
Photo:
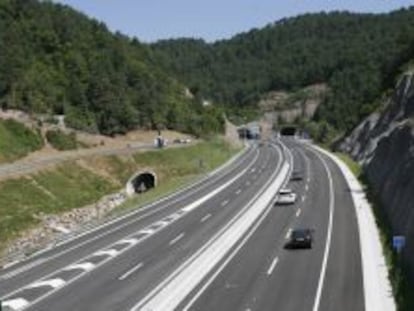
278 106
384 144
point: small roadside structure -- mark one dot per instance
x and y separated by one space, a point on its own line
140 182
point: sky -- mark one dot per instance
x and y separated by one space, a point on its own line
211 20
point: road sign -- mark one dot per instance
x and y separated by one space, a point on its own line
398 242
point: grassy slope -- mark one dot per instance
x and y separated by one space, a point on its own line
16 140
61 141
70 185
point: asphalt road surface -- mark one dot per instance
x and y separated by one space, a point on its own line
217 245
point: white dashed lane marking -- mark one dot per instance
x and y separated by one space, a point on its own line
298 212
205 218
129 272
224 203
179 237
238 191
272 266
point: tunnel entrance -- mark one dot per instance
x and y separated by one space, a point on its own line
141 182
288 131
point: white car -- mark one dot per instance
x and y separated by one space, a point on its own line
286 196
284 191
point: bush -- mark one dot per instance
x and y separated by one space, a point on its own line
17 140
62 141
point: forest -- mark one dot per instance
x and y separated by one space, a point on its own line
357 55
55 60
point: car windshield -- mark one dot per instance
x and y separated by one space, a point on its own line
299 233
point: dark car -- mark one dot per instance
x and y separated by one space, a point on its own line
296 176
300 238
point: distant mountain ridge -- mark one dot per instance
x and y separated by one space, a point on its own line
56 60
356 55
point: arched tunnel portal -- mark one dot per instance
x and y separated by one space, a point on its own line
140 182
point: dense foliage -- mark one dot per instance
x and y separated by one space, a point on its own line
16 140
62 141
55 60
356 54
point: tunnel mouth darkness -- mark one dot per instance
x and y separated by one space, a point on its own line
288 131
141 182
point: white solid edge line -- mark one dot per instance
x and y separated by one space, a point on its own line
129 272
377 287
15 304
328 236
272 266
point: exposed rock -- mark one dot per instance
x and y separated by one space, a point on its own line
384 144
278 106
54 228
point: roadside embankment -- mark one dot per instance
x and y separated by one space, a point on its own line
36 208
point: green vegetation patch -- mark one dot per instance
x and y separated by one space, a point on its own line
176 168
16 140
67 187
62 141
71 186
194 160
353 165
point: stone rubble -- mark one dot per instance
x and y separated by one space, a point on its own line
54 228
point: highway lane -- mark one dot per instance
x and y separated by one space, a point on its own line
265 276
108 287
48 261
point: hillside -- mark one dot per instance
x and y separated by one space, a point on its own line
17 140
356 55
55 60
384 144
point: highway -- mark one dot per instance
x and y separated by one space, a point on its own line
216 245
